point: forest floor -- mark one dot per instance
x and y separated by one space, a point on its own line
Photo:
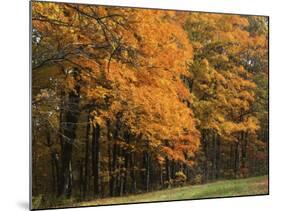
225 188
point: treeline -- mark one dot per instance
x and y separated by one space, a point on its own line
132 100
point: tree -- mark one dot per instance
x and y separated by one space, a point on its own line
223 88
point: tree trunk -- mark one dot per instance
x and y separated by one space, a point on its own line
147 170
109 154
126 163
96 159
81 184
173 169
231 164
214 155
113 177
218 159
86 174
237 159
53 162
68 136
66 175
205 151
118 167
133 173
55 159
121 172
168 172
53 174
113 182
244 157
161 177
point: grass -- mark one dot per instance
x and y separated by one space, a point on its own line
239 187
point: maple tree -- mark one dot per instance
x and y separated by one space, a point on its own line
127 100
223 84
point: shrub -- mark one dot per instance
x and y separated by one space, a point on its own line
180 179
197 179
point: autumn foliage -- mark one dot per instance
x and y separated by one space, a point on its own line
131 100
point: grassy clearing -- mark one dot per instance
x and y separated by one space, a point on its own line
239 187
225 188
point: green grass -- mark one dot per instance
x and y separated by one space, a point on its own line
239 187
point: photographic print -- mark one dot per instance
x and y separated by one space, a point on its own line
133 105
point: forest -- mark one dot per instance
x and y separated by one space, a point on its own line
128 100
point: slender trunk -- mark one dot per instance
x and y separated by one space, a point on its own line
66 183
121 172
62 98
96 159
121 183
244 155
173 169
147 170
127 158
133 173
81 184
161 177
119 167
61 141
86 174
113 177
34 163
126 163
115 156
109 153
55 159
231 158
168 172
243 150
205 151
102 187
214 155
237 159
68 136
218 159
53 174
